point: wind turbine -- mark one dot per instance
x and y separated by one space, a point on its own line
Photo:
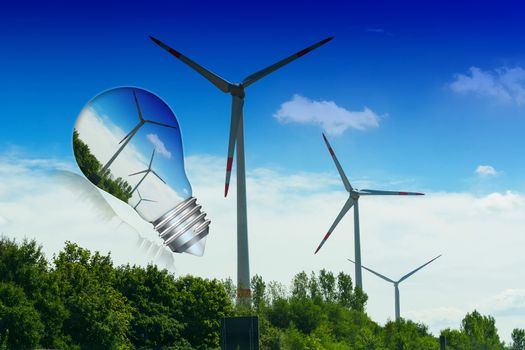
132 133
236 138
353 200
396 283
142 200
146 172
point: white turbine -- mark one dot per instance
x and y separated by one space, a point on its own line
132 133
396 283
146 172
236 138
353 200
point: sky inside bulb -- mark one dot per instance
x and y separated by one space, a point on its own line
103 125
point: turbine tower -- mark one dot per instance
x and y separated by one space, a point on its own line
396 283
236 138
132 133
353 200
146 172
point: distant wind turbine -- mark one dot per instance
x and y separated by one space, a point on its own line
141 200
146 172
236 90
353 200
396 283
132 133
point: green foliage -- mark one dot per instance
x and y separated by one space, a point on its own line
518 339
203 304
477 332
81 301
91 168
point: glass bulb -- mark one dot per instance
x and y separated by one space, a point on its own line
127 142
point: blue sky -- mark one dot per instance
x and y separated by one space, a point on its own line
397 60
413 96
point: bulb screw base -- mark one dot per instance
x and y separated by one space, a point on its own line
183 226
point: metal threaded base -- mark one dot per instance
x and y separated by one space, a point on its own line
182 226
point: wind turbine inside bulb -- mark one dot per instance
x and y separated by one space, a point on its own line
396 283
236 139
146 172
353 201
141 200
132 133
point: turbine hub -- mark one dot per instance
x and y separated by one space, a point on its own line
354 195
236 90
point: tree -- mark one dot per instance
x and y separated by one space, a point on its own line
518 339
203 303
20 324
481 331
300 285
99 315
327 284
344 290
258 293
91 168
156 307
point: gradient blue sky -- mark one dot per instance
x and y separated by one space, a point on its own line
396 59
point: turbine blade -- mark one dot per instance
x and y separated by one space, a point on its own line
349 203
148 200
140 172
157 175
375 273
219 82
151 160
416 270
161 124
140 197
338 166
389 193
264 72
131 133
236 116
138 106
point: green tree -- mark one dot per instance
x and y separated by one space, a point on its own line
481 331
300 285
344 290
258 293
327 284
20 324
518 339
156 307
99 315
203 303
25 266
91 168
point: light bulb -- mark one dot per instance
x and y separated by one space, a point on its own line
127 142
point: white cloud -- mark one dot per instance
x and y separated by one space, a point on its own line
481 237
486 170
504 84
159 145
331 117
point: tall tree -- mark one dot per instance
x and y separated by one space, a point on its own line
518 339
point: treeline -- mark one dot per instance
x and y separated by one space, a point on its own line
92 170
80 300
